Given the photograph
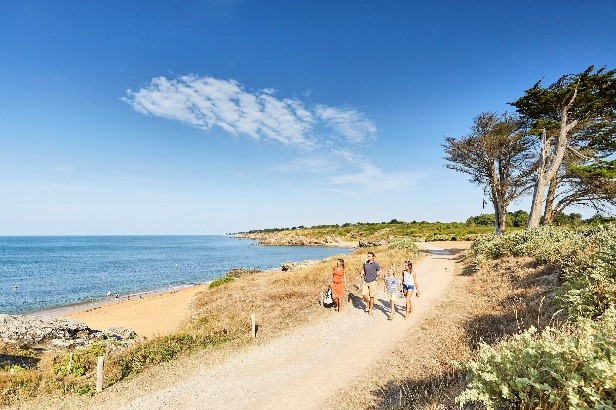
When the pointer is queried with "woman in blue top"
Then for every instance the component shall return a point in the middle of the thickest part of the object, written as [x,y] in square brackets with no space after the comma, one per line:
[409,284]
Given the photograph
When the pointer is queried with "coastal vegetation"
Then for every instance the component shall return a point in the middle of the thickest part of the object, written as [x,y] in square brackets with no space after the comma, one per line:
[571,362]
[530,325]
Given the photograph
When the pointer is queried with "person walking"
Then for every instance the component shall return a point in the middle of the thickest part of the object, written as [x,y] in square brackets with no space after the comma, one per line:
[392,286]
[409,284]
[338,283]
[371,272]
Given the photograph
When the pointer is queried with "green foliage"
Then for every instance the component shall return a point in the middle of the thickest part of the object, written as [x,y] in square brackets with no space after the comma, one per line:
[589,279]
[11,367]
[585,256]
[405,244]
[387,230]
[220,281]
[160,350]
[83,360]
[557,369]
[481,220]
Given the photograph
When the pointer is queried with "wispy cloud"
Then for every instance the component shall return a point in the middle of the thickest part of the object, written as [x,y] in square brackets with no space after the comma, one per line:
[351,124]
[315,165]
[207,102]
[372,177]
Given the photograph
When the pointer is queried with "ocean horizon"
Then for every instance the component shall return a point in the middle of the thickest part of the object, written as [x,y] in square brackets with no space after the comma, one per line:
[39,273]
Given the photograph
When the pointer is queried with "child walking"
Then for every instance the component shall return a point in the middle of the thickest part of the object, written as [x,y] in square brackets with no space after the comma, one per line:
[392,285]
[409,284]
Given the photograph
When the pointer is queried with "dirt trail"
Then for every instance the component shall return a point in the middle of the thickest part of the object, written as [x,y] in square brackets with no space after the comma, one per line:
[306,367]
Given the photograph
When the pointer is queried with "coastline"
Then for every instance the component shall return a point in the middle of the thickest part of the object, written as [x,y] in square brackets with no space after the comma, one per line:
[64,310]
[149,314]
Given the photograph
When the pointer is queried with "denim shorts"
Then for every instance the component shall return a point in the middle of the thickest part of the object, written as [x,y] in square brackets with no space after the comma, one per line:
[408,287]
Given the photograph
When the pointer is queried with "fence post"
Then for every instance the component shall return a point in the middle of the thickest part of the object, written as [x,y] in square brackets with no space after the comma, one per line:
[253,319]
[99,373]
[70,363]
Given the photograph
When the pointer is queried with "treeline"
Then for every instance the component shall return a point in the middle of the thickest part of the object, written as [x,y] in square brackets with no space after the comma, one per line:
[517,219]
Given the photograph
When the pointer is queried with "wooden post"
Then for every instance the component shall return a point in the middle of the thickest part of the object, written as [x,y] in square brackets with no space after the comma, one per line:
[253,319]
[70,364]
[99,373]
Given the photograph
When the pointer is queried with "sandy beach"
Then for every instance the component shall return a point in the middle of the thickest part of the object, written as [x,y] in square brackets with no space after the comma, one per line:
[149,315]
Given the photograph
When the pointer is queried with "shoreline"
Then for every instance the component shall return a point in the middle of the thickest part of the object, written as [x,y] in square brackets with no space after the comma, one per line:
[150,314]
[63,310]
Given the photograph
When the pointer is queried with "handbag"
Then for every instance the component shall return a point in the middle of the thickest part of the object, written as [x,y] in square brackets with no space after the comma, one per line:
[327,297]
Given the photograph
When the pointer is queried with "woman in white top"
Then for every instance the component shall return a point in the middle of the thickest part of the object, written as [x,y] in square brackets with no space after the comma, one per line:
[409,284]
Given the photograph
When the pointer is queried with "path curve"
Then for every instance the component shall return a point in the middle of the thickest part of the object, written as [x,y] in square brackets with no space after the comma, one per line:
[295,370]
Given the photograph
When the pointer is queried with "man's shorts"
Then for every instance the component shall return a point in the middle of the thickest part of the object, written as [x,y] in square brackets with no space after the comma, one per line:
[392,296]
[369,289]
[408,287]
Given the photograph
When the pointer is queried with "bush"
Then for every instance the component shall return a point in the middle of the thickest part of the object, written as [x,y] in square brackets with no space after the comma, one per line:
[220,281]
[586,258]
[589,279]
[570,368]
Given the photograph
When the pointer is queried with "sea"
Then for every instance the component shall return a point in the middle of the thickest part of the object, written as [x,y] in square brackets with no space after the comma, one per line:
[39,273]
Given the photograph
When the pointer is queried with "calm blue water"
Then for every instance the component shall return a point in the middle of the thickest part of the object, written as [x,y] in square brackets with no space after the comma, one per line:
[39,273]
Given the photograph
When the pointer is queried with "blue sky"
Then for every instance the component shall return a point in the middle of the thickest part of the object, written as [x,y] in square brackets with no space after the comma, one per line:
[207,117]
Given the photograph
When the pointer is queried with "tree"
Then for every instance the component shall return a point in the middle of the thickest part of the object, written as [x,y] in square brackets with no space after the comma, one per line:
[577,111]
[592,185]
[497,155]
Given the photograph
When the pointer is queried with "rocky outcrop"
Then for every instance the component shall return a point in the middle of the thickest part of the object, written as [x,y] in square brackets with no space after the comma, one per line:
[369,244]
[293,239]
[239,272]
[290,266]
[37,330]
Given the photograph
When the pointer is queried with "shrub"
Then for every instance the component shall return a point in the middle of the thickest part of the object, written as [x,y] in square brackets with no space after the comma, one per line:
[83,360]
[160,350]
[570,368]
[586,258]
[589,280]
[220,281]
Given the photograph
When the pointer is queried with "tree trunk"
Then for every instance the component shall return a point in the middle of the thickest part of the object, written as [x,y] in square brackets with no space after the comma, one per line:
[548,213]
[545,173]
[497,202]
[502,220]
[539,190]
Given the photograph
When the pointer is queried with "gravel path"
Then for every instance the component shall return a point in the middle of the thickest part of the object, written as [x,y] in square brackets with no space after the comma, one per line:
[307,367]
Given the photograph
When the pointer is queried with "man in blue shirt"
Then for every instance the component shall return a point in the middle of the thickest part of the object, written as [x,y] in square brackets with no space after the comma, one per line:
[371,272]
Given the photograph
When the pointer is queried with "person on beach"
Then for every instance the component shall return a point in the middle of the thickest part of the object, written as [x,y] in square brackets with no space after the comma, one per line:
[392,286]
[371,272]
[338,283]
[409,284]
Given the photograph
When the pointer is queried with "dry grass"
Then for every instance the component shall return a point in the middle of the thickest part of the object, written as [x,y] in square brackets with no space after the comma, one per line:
[502,298]
[283,300]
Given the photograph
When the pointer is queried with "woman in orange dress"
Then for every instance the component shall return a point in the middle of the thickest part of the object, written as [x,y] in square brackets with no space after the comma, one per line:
[338,283]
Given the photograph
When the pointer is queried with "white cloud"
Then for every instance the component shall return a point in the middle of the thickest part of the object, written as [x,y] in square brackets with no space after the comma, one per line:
[351,124]
[207,102]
